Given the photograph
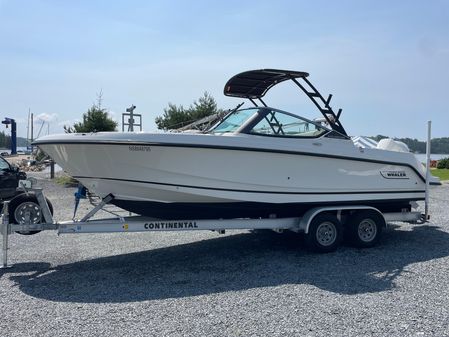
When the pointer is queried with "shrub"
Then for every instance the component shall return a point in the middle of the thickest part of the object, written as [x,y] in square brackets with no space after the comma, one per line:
[443,163]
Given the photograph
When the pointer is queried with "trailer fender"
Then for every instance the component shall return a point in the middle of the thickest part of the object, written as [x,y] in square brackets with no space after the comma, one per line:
[313,212]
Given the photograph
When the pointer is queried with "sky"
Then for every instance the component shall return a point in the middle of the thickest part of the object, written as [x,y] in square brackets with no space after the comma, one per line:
[385,62]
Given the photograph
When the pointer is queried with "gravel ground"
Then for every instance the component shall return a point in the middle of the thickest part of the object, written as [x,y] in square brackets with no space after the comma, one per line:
[237,284]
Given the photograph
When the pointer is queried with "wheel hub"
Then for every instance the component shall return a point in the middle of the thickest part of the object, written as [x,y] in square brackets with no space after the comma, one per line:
[367,230]
[326,233]
[28,212]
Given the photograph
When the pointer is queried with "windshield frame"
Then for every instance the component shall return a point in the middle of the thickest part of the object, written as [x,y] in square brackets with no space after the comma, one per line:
[259,114]
[242,127]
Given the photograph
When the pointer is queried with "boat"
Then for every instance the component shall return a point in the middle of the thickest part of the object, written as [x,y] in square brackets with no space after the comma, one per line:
[256,162]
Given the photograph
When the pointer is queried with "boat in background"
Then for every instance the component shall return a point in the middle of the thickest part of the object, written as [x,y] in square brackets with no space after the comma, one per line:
[258,162]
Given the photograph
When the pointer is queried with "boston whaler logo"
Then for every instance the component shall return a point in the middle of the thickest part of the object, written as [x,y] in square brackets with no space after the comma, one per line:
[394,174]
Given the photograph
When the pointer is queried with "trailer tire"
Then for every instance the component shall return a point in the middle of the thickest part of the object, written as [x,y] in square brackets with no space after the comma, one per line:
[22,203]
[325,233]
[364,228]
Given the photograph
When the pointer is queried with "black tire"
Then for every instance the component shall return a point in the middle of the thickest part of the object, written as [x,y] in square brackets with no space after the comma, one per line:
[24,202]
[325,233]
[364,228]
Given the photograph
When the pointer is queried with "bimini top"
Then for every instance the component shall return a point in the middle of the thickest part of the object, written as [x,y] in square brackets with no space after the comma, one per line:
[255,83]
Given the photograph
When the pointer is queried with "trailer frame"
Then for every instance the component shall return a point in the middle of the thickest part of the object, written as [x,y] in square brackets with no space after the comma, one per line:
[120,224]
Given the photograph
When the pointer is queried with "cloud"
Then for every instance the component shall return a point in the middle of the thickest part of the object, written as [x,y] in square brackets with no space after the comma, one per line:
[20,120]
[45,117]
[68,122]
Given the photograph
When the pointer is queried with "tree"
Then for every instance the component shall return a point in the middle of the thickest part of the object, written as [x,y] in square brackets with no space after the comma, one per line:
[5,140]
[175,117]
[94,120]
[205,106]
[440,145]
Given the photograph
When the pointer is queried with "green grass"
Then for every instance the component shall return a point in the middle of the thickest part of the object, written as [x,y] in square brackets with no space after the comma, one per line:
[443,174]
[66,181]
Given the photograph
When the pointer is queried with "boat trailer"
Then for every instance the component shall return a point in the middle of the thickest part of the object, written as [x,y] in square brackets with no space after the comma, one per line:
[322,226]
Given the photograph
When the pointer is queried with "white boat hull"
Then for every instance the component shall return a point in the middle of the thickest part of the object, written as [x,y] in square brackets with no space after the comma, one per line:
[205,169]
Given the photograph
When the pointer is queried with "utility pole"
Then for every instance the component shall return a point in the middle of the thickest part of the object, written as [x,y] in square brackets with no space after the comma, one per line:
[31,133]
[28,128]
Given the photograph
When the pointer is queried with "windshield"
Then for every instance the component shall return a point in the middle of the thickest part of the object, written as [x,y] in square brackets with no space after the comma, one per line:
[269,122]
[279,123]
[4,164]
[234,121]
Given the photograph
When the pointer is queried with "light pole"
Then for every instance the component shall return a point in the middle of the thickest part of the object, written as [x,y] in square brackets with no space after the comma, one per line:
[11,121]
[131,119]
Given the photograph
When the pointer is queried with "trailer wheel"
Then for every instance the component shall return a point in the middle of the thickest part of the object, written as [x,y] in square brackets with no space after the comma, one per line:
[364,228]
[325,233]
[24,204]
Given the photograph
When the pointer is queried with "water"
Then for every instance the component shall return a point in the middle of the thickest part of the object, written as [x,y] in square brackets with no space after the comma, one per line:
[19,148]
[422,156]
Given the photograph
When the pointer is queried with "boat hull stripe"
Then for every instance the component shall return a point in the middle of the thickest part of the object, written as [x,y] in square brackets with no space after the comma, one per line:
[250,191]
